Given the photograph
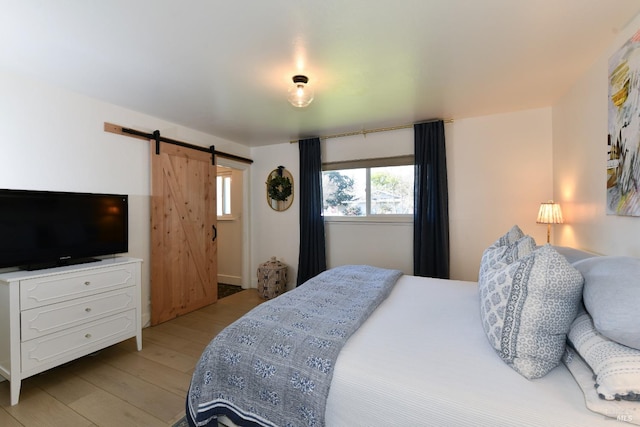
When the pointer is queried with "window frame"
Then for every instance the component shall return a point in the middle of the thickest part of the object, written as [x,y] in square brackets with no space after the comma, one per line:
[220,195]
[368,164]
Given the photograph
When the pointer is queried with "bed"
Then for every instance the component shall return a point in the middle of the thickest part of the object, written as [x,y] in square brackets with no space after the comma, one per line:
[422,358]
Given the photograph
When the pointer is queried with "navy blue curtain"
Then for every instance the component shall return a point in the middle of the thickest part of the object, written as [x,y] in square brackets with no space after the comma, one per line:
[431,202]
[312,259]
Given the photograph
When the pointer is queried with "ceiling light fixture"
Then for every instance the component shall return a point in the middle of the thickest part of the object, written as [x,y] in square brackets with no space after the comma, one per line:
[300,94]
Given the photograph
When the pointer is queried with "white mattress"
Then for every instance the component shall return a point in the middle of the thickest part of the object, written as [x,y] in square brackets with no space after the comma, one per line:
[422,359]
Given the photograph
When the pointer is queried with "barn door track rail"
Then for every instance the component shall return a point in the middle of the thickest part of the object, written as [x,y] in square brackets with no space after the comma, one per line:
[121,130]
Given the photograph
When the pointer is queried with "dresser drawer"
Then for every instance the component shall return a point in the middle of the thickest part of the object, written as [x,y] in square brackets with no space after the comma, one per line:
[60,347]
[51,289]
[51,318]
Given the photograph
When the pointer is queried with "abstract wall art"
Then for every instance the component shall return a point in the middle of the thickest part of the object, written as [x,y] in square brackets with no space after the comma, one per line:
[623,142]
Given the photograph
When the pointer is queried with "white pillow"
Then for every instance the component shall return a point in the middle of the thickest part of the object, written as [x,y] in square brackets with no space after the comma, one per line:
[583,374]
[527,308]
[612,296]
[616,367]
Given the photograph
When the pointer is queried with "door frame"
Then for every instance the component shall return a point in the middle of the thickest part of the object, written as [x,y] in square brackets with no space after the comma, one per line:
[246,216]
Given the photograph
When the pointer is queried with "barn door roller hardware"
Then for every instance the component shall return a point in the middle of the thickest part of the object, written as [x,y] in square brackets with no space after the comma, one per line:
[109,127]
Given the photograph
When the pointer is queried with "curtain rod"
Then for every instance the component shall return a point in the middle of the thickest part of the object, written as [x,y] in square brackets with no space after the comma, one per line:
[366,131]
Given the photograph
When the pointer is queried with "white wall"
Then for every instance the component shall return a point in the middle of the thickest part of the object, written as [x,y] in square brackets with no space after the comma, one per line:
[499,171]
[53,139]
[579,153]
[274,233]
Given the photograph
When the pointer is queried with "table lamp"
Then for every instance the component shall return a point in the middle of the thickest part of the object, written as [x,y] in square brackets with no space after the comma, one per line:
[549,213]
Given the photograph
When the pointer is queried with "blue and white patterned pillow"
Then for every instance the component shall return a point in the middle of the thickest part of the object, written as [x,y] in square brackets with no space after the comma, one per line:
[497,257]
[527,308]
[510,237]
[514,234]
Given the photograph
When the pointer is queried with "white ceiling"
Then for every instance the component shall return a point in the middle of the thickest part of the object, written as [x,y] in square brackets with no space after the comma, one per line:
[223,66]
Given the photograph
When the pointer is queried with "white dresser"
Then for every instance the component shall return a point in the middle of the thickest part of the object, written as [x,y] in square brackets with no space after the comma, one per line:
[52,316]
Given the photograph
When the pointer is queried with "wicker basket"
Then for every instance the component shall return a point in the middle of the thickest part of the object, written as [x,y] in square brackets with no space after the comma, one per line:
[272,278]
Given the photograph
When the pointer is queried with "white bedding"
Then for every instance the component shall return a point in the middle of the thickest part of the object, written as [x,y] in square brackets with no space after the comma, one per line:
[422,359]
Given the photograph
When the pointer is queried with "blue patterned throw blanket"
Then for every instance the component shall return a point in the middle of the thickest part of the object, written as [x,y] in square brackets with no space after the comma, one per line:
[273,366]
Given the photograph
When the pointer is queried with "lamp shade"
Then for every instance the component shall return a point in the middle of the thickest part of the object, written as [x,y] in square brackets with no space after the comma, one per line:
[550,213]
[300,94]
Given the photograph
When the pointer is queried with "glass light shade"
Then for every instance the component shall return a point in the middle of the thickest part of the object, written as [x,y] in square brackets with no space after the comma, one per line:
[300,94]
[550,213]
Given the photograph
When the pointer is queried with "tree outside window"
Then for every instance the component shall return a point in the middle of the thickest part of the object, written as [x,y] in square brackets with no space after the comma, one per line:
[370,191]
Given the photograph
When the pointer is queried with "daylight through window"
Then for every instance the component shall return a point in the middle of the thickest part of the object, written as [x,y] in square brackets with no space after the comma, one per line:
[373,190]
[223,188]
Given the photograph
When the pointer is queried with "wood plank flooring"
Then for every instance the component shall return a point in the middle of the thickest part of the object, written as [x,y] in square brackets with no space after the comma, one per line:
[120,386]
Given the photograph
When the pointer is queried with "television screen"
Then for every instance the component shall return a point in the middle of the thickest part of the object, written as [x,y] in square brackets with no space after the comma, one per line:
[43,228]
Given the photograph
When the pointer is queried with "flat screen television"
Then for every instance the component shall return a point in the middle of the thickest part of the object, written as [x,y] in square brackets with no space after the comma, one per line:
[41,229]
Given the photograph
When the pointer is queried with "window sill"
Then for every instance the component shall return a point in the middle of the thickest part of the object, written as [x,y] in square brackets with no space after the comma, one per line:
[381,219]
[228,218]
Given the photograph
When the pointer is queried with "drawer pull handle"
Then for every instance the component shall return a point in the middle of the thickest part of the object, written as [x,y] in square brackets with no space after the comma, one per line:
[87,336]
[87,283]
[88,309]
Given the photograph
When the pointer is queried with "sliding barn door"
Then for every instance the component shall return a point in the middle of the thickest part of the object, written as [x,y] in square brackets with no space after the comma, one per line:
[183,231]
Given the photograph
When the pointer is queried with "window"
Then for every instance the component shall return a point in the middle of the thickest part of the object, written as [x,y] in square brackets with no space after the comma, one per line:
[368,188]
[223,186]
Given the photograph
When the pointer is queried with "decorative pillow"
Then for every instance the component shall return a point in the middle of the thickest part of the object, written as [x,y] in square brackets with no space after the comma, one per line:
[497,257]
[572,254]
[612,296]
[511,236]
[527,308]
[617,367]
[514,234]
[621,410]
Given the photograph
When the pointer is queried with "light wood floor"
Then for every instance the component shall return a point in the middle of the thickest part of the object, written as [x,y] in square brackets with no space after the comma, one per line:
[120,386]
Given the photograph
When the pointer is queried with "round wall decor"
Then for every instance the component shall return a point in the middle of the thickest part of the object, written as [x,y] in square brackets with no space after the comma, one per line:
[280,189]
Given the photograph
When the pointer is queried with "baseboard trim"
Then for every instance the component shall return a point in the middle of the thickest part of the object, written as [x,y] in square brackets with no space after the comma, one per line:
[230,280]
